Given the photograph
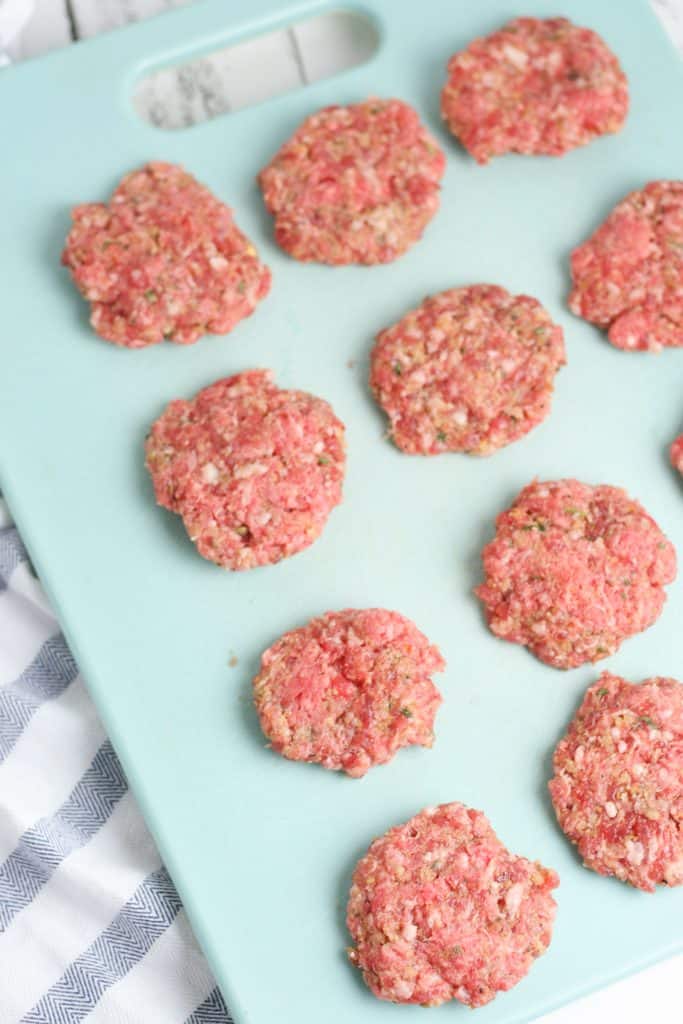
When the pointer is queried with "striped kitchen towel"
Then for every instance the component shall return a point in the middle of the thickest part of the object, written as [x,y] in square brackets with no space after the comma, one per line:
[91,927]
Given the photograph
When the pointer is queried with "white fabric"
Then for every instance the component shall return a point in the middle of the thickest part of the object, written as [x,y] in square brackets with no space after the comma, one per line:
[14,15]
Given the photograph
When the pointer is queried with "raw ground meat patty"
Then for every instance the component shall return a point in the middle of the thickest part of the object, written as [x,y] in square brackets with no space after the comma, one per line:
[354,184]
[470,370]
[253,470]
[618,783]
[535,86]
[349,689]
[440,910]
[628,276]
[676,453]
[163,259]
[573,571]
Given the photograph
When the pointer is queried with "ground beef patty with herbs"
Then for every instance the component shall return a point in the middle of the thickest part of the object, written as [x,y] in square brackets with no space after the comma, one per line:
[349,689]
[676,454]
[354,184]
[536,86]
[618,783]
[470,370]
[628,277]
[163,259]
[574,570]
[439,909]
[253,470]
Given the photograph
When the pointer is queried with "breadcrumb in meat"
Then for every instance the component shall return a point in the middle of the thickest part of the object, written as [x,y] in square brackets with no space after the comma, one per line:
[355,184]
[617,787]
[628,276]
[163,259]
[349,689]
[574,570]
[469,370]
[439,909]
[253,470]
[536,86]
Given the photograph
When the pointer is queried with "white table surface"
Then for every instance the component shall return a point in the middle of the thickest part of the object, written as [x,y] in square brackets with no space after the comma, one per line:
[654,995]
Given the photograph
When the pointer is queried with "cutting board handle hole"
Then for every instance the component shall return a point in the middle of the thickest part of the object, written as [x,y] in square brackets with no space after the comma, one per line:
[233,77]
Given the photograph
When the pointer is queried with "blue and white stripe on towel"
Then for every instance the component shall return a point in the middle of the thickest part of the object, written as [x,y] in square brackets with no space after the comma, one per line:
[91,926]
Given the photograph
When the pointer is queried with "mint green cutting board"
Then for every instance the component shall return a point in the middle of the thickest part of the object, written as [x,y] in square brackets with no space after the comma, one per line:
[262,849]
